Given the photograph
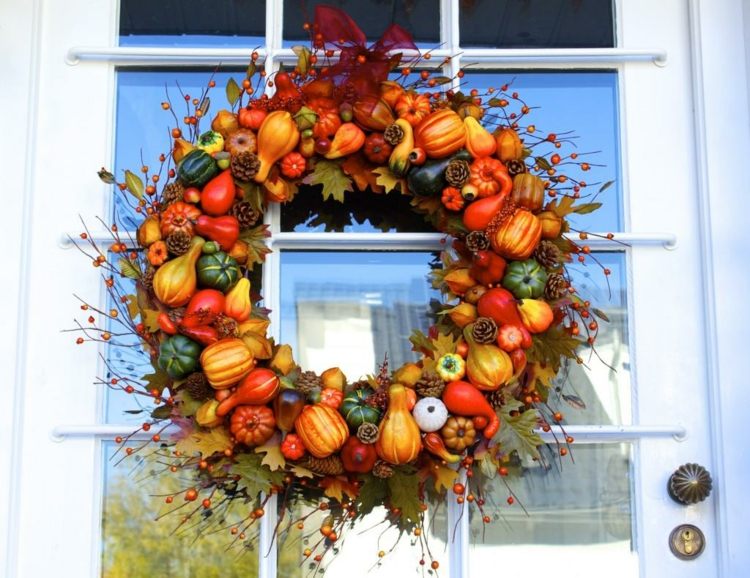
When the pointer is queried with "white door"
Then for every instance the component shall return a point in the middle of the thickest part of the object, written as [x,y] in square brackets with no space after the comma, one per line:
[669,95]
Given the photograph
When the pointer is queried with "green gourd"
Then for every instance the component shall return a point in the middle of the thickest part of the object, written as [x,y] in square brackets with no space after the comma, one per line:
[356,411]
[197,168]
[218,271]
[429,179]
[178,356]
[525,279]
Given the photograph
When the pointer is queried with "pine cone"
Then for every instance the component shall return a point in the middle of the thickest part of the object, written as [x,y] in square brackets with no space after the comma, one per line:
[430,385]
[382,469]
[393,135]
[368,433]
[172,193]
[198,387]
[515,167]
[330,466]
[244,166]
[176,315]
[477,241]
[245,214]
[457,173]
[178,242]
[484,330]
[378,399]
[226,327]
[556,287]
[548,255]
[307,381]
[148,278]
[496,399]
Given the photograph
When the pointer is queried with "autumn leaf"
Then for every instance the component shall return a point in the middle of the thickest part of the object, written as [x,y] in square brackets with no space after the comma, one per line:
[252,193]
[273,458]
[444,344]
[303,58]
[187,405]
[586,208]
[389,181]
[233,92]
[403,489]
[256,244]
[361,173]
[421,343]
[129,269]
[517,433]
[336,487]
[331,176]
[150,319]
[444,477]
[134,185]
[550,346]
[543,374]
[133,309]
[371,494]
[157,380]
[562,206]
[205,443]
[255,477]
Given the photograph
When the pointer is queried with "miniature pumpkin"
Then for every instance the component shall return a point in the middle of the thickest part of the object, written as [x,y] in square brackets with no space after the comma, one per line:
[329,120]
[356,411]
[331,397]
[376,149]
[293,165]
[482,176]
[412,107]
[517,236]
[322,430]
[252,425]
[525,279]
[179,216]
[292,447]
[528,191]
[178,356]
[399,441]
[440,134]
[226,362]
[458,433]
[430,414]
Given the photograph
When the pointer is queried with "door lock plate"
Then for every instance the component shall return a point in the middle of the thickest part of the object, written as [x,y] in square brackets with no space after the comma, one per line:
[687,542]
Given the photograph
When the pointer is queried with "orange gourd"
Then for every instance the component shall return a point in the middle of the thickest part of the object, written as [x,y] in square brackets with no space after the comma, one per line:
[479,213]
[226,362]
[331,397]
[348,139]
[440,134]
[517,236]
[175,282]
[509,145]
[479,142]
[412,107]
[482,176]
[537,315]
[278,135]
[488,367]
[179,216]
[373,113]
[528,191]
[237,304]
[551,224]
[390,91]
[322,429]
[400,439]
[329,120]
[257,388]
[462,398]
[252,425]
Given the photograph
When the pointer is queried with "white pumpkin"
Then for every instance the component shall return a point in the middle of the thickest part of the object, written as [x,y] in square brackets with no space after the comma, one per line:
[430,414]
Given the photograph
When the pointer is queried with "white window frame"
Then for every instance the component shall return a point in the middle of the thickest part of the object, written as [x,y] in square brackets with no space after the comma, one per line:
[51,33]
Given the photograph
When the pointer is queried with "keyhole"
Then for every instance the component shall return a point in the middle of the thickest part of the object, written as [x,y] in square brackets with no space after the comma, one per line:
[687,539]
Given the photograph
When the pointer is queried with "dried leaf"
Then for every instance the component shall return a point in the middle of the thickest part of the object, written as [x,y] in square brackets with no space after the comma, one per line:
[444,344]
[389,181]
[336,487]
[517,433]
[106,176]
[421,343]
[362,174]
[253,193]
[273,458]
[550,346]
[301,472]
[157,380]
[303,58]
[543,163]
[134,184]
[331,176]
[256,244]
[404,494]
[129,269]
[600,314]
[562,206]
[255,477]
[605,186]
[233,91]
[205,443]
[133,309]
[586,208]
[150,318]
[574,401]
[444,476]
[188,405]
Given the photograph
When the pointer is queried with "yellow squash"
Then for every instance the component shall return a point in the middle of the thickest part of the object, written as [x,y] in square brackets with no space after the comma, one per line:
[226,362]
[400,441]
[278,136]
[176,281]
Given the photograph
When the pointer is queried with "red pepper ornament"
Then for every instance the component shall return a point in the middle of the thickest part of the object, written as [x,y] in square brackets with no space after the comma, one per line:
[224,230]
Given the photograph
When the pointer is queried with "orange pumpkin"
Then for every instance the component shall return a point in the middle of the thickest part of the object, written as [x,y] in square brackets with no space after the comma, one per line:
[528,191]
[440,134]
[329,120]
[331,397]
[179,216]
[412,107]
[517,236]
[482,176]
[252,425]
[322,429]
[226,362]
[509,145]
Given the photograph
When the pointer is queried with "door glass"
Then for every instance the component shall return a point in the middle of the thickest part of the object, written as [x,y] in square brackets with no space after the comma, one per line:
[537,24]
[568,520]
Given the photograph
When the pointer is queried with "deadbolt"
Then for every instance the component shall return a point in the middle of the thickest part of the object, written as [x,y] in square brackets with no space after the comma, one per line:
[687,542]
[689,484]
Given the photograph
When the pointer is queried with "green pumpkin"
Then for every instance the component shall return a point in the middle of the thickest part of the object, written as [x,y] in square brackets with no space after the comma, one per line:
[429,179]
[197,168]
[218,271]
[356,411]
[178,356]
[525,279]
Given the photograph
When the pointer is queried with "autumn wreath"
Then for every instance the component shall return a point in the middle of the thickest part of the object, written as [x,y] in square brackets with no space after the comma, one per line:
[248,420]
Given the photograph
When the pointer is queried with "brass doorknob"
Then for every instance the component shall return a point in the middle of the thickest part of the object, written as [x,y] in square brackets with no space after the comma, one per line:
[689,484]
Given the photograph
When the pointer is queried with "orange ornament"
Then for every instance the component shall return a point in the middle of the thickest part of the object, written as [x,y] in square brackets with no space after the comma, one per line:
[292,448]
[293,165]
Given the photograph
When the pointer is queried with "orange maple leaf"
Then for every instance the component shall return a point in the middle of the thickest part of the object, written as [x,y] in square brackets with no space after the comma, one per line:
[361,173]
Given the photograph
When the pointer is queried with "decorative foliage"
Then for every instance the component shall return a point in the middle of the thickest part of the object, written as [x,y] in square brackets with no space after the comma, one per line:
[234,396]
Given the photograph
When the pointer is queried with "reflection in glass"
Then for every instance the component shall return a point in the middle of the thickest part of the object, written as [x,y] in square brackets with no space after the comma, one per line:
[548,24]
[192,23]
[579,519]
[420,17]
[134,545]
[362,543]
[585,103]
[603,383]
[349,309]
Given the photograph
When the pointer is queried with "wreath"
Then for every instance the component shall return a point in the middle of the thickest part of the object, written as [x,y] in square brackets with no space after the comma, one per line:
[247,422]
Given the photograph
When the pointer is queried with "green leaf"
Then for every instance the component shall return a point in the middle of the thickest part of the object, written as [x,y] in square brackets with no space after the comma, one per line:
[600,314]
[157,380]
[251,68]
[404,493]
[332,177]
[550,346]
[233,91]
[129,269]
[543,163]
[605,186]
[586,208]
[517,433]
[188,404]
[134,184]
[303,58]
[106,176]
[253,194]
[256,243]
[372,494]
[162,412]
[421,343]
[255,477]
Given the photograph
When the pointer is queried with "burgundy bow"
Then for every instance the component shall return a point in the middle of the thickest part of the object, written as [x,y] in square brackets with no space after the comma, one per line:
[362,67]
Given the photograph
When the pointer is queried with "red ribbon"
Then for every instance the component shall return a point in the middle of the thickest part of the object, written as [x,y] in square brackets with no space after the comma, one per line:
[362,67]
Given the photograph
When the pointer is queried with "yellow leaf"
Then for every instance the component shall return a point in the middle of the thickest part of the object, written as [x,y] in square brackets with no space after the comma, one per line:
[205,443]
[361,173]
[273,458]
[444,344]
[149,317]
[336,488]
[544,374]
[301,472]
[389,181]
[445,477]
